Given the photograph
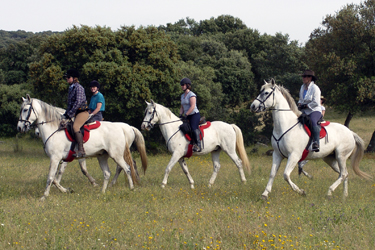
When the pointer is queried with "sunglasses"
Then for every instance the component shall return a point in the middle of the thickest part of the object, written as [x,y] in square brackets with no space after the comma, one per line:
[306,76]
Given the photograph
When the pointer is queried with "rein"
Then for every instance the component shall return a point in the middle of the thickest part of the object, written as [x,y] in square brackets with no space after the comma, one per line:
[278,140]
[152,125]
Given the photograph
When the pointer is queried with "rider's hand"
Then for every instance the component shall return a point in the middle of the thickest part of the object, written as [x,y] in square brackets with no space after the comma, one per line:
[183,116]
[64,117]
[303,106]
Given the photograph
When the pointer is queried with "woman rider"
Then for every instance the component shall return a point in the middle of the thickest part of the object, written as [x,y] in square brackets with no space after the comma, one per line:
[309,103]
[97,102]
[77,107]
[190,110]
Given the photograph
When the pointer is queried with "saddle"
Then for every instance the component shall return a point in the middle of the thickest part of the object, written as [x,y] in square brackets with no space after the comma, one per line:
[185,128]
[85,130]
[305,120]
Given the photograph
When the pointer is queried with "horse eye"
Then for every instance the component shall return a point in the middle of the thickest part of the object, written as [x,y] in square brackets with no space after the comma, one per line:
[25,110]
[266,93]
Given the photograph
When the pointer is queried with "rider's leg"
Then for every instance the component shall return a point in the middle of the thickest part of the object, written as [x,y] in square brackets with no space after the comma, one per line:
[315,116]
[79,120]
[194,123]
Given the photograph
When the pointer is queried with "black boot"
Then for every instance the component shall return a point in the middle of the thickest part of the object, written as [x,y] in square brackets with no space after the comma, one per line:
[316,135]
[197,141]
[79,139]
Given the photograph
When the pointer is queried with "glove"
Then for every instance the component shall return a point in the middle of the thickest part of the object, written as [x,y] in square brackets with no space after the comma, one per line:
[303,106]
[64,117]
[183,117]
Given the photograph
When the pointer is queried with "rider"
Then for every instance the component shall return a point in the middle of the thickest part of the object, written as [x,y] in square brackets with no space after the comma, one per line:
[97,102]
[309,103]
[77,107]
[190,111]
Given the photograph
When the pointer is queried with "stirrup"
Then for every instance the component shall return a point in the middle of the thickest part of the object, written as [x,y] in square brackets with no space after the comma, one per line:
[315,147]
[79,154]
[196,148]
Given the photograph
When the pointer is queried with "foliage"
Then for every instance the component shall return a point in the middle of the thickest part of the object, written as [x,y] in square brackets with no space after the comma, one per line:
[132,65]
[342,53]
[10,99]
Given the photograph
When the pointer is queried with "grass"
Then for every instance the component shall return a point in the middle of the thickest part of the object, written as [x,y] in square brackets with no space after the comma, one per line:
[229,215]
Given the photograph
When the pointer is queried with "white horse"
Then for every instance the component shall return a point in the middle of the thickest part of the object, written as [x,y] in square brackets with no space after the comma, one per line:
[133,135]
[289,140]
[106,141]
[219,136]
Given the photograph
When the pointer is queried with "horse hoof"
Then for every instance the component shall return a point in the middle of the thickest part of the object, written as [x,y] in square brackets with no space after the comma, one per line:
[43,198]
[244,182]
[303,193]
[209,185]
[264,197]
[192,186]
[162,186]
[70,190]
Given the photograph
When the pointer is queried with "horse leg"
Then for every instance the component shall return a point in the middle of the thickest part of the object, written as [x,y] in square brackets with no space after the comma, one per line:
[186,171]
[216,162]
[114,180]
[82,164]
[275,167]
[60,173]
[332,162]
[343,176]
[302,171]
[238,163]
[50,178]
[290,165]
[175,157]
[103,162]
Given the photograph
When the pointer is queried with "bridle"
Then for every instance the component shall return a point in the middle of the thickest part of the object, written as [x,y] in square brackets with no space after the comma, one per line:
[31,125]
[152,125]
[273,100]
[27,122]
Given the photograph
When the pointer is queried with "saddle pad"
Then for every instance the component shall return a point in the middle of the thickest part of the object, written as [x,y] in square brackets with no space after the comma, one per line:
[86,134]
[323,131]
[202,128]
[190,151]
[70,156]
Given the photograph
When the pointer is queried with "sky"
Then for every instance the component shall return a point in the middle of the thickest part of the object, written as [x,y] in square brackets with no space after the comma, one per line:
[297,18]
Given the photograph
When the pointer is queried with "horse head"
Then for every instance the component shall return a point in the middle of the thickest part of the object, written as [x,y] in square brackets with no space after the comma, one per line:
[27,115]
[151,117]
[266,97]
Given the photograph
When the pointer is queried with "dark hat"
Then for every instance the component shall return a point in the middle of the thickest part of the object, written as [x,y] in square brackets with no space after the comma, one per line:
[323,99]
[71,72]
[94,83]
[185,81]
[310,73]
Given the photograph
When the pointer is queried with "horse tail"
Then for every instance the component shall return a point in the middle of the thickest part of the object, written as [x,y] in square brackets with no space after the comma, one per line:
[241,148]
[129,160]
[357,155]
[141,147]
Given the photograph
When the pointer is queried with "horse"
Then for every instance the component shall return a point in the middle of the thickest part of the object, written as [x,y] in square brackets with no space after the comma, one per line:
[219,136]
[289,140]
[106,141]
[133,135]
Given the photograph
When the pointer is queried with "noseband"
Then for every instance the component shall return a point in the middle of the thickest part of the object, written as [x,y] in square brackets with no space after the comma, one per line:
[27,122]
[262,102]
[151,118]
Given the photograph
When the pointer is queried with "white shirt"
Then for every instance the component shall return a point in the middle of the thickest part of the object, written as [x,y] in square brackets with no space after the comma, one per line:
[312,98]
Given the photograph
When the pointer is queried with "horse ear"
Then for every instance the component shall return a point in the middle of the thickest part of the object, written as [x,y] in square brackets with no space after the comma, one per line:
[147,103]
[273,82]
[28,97]
[152,102]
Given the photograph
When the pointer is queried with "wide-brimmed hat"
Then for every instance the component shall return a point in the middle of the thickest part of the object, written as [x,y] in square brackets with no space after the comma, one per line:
[310,73]
[323,99]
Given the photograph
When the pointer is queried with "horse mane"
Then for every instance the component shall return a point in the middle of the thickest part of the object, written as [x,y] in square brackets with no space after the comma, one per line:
[290,100]
[292,104]
[52,114]
[167,110]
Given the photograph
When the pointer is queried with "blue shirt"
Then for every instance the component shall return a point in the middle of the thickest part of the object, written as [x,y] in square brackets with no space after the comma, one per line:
[185,102]
[95,99]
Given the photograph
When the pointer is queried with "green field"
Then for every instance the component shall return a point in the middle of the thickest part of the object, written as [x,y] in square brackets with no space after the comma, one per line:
[229,215]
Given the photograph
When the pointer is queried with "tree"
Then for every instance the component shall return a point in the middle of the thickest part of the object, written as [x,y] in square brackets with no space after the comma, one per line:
[342,53]
[132,65]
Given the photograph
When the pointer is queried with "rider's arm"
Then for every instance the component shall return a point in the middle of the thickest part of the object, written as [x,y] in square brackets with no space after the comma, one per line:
[192,101]
[98,106]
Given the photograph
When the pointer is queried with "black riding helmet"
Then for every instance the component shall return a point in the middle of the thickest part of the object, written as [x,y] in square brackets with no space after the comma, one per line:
[71,72]
[94,83]
[185,81]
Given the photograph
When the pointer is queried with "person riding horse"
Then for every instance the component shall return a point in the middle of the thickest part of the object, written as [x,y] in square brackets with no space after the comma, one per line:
[309,103]
[77,107]
[190,111]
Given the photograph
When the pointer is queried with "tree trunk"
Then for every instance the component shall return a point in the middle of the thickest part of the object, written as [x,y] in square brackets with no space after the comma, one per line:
[371,145]
[348,119]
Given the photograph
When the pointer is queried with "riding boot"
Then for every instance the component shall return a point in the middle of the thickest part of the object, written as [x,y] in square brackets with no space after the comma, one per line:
[197,145]
[79,139]
[316,135]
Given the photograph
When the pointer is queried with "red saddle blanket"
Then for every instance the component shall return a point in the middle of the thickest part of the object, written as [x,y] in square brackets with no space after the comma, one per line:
[86,136]
[323,133]
[190,147]
[86,128]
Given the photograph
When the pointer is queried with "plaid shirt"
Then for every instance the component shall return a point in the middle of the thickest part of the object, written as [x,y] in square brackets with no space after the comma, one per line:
[76,98]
